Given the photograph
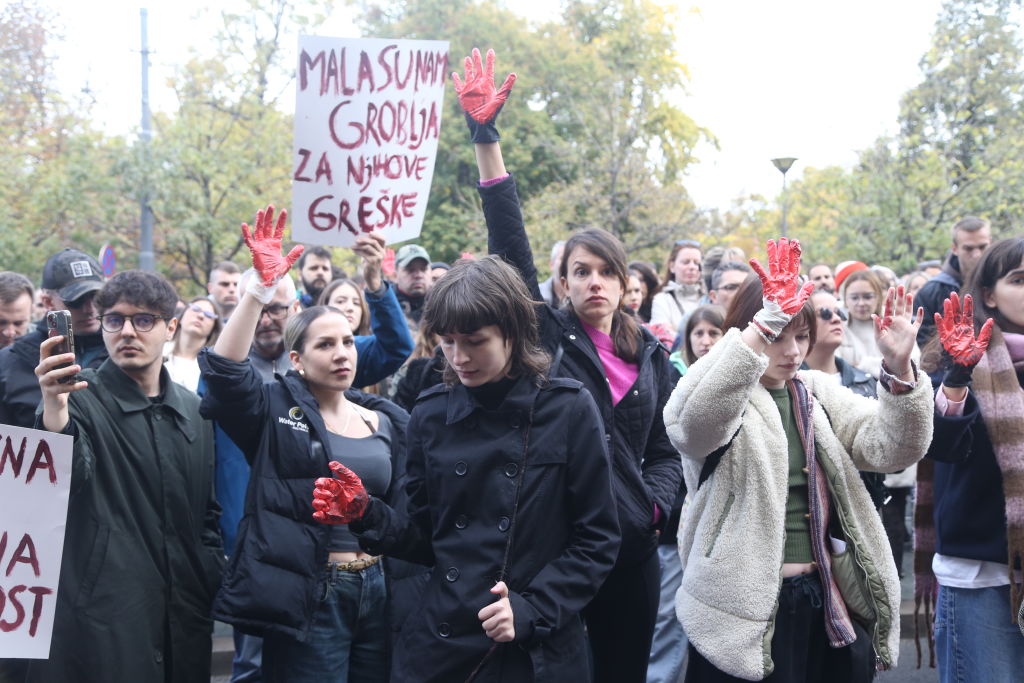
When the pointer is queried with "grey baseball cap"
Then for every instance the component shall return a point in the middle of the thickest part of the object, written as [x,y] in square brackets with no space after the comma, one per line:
[72,274]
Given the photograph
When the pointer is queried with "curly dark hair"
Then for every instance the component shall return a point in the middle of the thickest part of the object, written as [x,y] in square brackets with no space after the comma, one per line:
[139,288]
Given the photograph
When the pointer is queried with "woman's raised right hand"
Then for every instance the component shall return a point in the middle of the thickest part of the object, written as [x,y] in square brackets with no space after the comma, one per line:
[783,293]
[264,244]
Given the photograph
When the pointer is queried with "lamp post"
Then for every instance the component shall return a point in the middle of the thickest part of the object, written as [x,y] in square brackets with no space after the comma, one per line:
[784,164]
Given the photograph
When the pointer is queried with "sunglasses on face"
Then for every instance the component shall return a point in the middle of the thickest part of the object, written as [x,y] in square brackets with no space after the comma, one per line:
[206,314]
[827,313]
[688,243]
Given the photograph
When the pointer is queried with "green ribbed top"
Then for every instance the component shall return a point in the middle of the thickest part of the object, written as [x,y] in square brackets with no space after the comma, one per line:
[798,525]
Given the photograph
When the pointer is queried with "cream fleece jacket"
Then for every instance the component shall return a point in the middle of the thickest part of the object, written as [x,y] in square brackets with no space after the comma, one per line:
[731,539]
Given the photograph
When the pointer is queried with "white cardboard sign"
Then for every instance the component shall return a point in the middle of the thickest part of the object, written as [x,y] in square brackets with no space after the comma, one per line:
[367,122]
[35,482]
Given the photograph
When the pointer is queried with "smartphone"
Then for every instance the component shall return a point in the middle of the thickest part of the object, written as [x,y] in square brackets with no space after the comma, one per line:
[59,323]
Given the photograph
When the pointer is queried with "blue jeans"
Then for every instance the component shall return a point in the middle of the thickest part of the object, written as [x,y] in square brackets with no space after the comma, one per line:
[245,667]
[668,649]
[975,639]
[348,639]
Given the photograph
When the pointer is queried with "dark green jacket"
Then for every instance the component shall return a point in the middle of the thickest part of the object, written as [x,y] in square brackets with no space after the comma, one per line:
[142,552]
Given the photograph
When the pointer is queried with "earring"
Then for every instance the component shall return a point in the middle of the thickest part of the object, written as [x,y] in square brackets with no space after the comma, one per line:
[302,373]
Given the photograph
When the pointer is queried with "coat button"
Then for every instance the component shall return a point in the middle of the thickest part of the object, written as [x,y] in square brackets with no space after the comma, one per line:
[636,392]
[461,468]
[158,656]
[158,416]
[461,521]
[452,575]
[503,524]
[444,630]
[572,336]
[608,438]
[514,421]
[511,469]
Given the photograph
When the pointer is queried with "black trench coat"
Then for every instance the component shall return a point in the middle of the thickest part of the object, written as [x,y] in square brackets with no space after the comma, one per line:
[463,466]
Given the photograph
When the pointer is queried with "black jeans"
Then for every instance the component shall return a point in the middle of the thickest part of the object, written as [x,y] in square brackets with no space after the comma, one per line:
[800,648]
[620,622]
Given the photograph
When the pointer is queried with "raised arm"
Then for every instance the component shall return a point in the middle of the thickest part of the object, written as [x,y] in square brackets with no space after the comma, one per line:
[481,102]
[264,243]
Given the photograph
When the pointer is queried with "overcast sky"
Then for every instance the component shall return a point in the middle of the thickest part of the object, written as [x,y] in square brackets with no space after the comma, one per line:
[803,78]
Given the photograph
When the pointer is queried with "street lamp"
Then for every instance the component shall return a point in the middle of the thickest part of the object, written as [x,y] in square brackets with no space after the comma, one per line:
[784,164]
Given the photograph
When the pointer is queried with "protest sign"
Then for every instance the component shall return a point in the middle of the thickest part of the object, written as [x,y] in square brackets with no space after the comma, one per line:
[35,480]
[367,122]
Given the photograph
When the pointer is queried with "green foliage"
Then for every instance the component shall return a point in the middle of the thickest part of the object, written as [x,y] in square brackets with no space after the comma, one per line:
[959,151]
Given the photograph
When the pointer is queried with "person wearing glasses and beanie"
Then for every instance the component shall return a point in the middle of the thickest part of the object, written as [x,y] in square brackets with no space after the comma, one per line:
[71,279]
[142,552]
[683,288]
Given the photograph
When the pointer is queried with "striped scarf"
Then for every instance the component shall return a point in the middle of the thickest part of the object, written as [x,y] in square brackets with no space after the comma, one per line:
[997,389]
[838,624]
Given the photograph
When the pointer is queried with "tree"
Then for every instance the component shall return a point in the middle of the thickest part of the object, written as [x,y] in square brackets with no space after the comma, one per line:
[589,131]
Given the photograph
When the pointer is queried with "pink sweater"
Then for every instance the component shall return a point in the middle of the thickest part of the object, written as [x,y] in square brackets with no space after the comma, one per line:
[621,375]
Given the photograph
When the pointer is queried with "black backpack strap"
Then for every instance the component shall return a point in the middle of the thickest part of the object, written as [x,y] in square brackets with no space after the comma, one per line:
[556,360]
[711,462]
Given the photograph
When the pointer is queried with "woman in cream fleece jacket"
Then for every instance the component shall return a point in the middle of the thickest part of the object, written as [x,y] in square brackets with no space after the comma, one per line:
[746,578]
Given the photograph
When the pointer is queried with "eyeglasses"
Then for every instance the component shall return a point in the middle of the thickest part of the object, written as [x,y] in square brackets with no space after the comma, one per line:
[827,313]
[275,311]
[866,298]
[142,322]
[688,243]
[206,314]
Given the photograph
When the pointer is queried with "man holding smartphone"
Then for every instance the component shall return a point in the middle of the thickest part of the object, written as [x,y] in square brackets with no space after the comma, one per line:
[71,279]
[142,552]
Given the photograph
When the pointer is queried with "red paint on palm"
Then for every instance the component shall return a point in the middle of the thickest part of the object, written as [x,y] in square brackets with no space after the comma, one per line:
[781,283]
[955,326]
[477,95]
[264,244]
[339,500]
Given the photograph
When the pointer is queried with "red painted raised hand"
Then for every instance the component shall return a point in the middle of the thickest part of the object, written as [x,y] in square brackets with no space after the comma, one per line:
[339,500]
[477,95]
[264,244]
[781,283]
[955,327]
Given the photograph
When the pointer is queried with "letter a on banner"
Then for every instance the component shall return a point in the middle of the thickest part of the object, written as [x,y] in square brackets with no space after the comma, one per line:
[367,122]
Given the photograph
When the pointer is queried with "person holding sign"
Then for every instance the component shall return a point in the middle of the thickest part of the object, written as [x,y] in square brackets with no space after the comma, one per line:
[142,552]
[509,496]
[318,600]
[623,366]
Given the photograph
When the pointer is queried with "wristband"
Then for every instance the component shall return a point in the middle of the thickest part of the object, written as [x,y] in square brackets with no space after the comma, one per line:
[771,318]
[763,331]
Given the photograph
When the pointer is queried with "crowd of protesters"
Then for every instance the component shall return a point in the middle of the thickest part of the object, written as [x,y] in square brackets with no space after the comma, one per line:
[434,472]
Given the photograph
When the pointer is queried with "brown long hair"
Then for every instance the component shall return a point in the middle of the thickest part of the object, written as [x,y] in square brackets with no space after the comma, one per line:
[709,313]
[601,243]
[749,300]
[325,300]
[476,293]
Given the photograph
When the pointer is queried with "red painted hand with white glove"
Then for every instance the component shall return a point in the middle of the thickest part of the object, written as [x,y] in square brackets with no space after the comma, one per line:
[264,244]
[783,294]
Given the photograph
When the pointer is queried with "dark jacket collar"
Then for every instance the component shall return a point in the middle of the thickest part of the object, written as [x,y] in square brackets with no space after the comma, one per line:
[520,399]
[129,397]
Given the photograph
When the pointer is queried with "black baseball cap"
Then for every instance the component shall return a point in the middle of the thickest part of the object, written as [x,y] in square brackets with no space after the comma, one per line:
[72,274]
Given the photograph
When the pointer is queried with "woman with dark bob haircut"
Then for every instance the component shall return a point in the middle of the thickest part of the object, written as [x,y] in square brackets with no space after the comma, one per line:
[508,490]
[786,566]
[624,367]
